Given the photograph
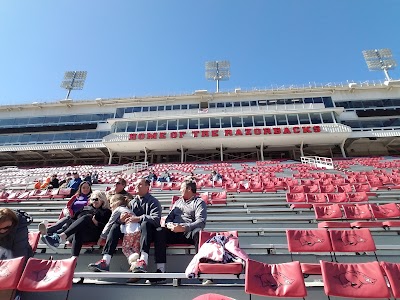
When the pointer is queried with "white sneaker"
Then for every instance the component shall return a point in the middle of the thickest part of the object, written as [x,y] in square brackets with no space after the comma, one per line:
[42,228]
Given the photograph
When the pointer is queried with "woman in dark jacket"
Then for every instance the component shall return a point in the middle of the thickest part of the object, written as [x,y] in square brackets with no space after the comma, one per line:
[14,241]
[88,226]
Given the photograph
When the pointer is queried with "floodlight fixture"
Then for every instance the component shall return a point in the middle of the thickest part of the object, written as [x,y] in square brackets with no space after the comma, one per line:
[380,59]
[73,80]
[217,71]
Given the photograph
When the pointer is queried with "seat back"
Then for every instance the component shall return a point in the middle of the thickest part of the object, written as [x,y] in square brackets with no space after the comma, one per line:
[10,272]
[47,275]
[274,280]
[212,296]
[358,240]
[392,271]
[33,238]
[385,211]
[206,235]
[361,280]
[313,240]
[327,212]
[357,212]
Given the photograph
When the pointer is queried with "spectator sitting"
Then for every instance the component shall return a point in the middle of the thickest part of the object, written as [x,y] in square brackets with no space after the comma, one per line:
[131,231]
[74,206]
[95,178]
[215,176]
[165,177]
[151,177]
[63,183]
[74,183]
[147,210]
[54,182]
[86,228]
[183,224]
[88,178]
[14,241]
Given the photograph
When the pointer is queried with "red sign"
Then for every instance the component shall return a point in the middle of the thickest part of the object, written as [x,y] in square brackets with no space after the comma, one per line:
[225,132]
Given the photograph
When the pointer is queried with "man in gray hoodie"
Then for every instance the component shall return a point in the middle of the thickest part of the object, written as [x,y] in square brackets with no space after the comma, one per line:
[182,226]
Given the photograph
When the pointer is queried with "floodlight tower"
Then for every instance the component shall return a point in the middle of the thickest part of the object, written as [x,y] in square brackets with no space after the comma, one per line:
[73,80]
[380,59]
[218,70]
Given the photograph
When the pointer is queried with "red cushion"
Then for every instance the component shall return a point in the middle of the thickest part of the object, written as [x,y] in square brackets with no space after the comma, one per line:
[358,240]
[212,297]
[361,280]
[10,272]
[47,275]
[274,280]
[229,268]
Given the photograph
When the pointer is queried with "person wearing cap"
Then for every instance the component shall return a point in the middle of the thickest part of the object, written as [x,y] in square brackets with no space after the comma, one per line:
[74,183]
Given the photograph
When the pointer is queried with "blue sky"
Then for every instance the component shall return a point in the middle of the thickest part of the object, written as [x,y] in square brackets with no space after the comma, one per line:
[149,47]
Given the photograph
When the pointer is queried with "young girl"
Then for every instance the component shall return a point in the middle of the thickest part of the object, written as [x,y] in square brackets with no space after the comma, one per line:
[131,240]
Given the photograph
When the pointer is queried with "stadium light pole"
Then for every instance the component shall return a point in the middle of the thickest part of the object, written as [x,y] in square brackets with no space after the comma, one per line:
[218,70]
[380,59]
[73,80]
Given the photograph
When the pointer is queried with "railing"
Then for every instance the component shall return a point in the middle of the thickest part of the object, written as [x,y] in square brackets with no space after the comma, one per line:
[135,167]
[317,161]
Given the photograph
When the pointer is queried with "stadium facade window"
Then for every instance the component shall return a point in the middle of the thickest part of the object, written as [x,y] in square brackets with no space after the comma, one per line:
[131,126]
[281,120]
[153,108]
[184,106]
[304,119]
[204,123]
[215,122]
[152,125]
[119,112]
[182,124]
[162,125]
[212,105]
[259,121]
[327,117]
[270,120]
[248,121]
[193,106]
[141,126]
[193,123]
[220,105]
[168,107]
[176,107]
[237,122]
[161,108]
[228,104]
[293,119]
[315,118]
[245,103]
[121,127]
[226,122]
[172,125]
[145,108]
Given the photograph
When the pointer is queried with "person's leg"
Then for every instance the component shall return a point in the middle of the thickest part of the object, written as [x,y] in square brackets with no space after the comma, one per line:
[109,249]
[89,233]
[60,223]
[79,225]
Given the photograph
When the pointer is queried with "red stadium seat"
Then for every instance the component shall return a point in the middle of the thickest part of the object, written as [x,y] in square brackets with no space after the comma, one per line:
[218,197]
[296,197]
[337,198]
[274,280]
[357,211]
[10,272]
[34,239]
[392,271]
[357,197]
[327,212]
[47,275]
[316,198]
[361,280]
[385,211]
[358,240]
[311,240]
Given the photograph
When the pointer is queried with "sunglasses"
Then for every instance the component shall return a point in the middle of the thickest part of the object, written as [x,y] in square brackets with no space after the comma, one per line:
[117,182]
[5,228]
[95,199]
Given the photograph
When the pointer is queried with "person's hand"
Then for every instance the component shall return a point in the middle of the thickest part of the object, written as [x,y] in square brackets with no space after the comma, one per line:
[177,228]
[100,241]
[95,221]
[124,216]
[133,219]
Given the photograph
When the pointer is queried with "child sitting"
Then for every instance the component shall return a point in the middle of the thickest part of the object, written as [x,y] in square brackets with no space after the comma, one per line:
[131,240]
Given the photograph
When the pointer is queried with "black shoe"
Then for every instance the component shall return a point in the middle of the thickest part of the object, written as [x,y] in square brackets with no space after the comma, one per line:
[156,280]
